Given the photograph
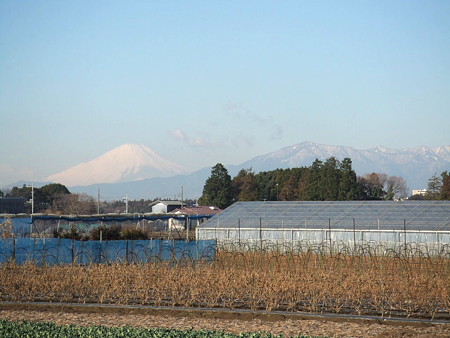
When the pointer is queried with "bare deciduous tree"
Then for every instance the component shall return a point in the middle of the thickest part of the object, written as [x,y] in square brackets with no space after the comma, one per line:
[382,186]
[395,188]
[75,204]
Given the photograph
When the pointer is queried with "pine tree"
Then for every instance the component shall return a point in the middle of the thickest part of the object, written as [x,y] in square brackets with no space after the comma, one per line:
[348,185]
[217,190]
[244,186]
[434,187]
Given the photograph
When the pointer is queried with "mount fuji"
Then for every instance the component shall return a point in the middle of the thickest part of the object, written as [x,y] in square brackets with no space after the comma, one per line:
[137,170]
[128,162]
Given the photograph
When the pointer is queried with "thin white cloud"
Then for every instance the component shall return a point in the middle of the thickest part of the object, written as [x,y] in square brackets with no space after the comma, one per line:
[197,141]
[179,135]
[237,128]
[242,140]
[239,112]
[230,106]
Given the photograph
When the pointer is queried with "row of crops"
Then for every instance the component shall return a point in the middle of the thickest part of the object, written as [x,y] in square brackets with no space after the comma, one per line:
[10,329]
[307,280]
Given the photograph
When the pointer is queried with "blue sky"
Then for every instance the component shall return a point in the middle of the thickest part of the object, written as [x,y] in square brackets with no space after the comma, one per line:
[202,82]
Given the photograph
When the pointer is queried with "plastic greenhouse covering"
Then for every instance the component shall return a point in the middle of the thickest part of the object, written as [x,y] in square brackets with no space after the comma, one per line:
[384,221]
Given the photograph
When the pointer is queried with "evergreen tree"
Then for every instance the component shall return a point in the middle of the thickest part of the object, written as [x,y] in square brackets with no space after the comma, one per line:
[330,177]
[50,193]
[445,189]
[303,189]
[264,181]
[348,185]
[314,188]
[217,190]
[244,186]
[434,188]
[278,181]
[290,190]
[55,189]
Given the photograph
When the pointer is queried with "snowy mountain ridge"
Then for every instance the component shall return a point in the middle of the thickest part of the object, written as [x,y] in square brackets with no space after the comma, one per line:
[128,162]
[137,170]
[416,165]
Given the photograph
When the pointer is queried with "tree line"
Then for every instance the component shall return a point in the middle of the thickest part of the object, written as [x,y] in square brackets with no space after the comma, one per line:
[56,198]
[329,180]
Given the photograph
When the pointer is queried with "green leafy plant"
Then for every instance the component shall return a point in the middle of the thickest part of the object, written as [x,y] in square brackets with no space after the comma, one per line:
[9,329]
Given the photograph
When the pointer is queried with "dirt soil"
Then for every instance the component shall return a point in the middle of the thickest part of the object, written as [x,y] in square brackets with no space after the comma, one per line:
[219,321]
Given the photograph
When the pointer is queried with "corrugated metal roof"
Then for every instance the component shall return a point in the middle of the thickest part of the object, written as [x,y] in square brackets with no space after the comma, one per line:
[417,215]
[197,210]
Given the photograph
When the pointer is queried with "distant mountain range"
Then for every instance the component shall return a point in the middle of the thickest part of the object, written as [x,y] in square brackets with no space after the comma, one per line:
[415,165]
[129,162]
[141,173]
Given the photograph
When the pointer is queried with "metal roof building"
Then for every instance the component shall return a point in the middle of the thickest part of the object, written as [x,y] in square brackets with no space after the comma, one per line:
[348,221]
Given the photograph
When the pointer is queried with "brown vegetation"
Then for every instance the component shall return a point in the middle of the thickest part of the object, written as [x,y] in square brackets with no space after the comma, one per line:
[305,281]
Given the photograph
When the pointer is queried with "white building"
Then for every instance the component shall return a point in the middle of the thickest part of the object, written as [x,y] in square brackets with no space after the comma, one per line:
[421,192]
[164,207]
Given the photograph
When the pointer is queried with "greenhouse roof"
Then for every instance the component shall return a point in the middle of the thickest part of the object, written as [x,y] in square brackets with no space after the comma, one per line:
[383,215]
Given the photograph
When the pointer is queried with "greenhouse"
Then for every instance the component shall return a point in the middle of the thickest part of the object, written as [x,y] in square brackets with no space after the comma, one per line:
[423,222]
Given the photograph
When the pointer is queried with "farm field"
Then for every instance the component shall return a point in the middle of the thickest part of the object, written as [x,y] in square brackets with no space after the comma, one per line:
[416,287]
[93,316]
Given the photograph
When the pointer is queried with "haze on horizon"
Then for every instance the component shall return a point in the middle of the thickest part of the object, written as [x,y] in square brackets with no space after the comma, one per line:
[208,82]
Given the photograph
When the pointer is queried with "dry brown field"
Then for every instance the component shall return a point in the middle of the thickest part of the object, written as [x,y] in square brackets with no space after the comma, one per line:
[184,320]
[302,282]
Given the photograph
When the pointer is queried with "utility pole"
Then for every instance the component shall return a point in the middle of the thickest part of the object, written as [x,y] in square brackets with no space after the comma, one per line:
[32,198]
[98,201]
[126,203]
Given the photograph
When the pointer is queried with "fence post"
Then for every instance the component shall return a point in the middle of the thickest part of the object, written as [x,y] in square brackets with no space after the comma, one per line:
[239,232]
[329,234]
[404,233]
[260,232]
[72,250]
[292,240]
[438,241]
[14,250]
[126,252]
[100,249]
[354,236]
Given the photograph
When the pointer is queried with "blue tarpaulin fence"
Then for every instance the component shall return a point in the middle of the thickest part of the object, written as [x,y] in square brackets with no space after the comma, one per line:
[21,226]
[54,251]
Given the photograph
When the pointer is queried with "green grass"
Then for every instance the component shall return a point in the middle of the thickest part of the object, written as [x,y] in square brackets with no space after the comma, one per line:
[39,329]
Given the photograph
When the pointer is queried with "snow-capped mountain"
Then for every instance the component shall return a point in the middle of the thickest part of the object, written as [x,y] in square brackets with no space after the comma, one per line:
[415,165]
[128,162]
